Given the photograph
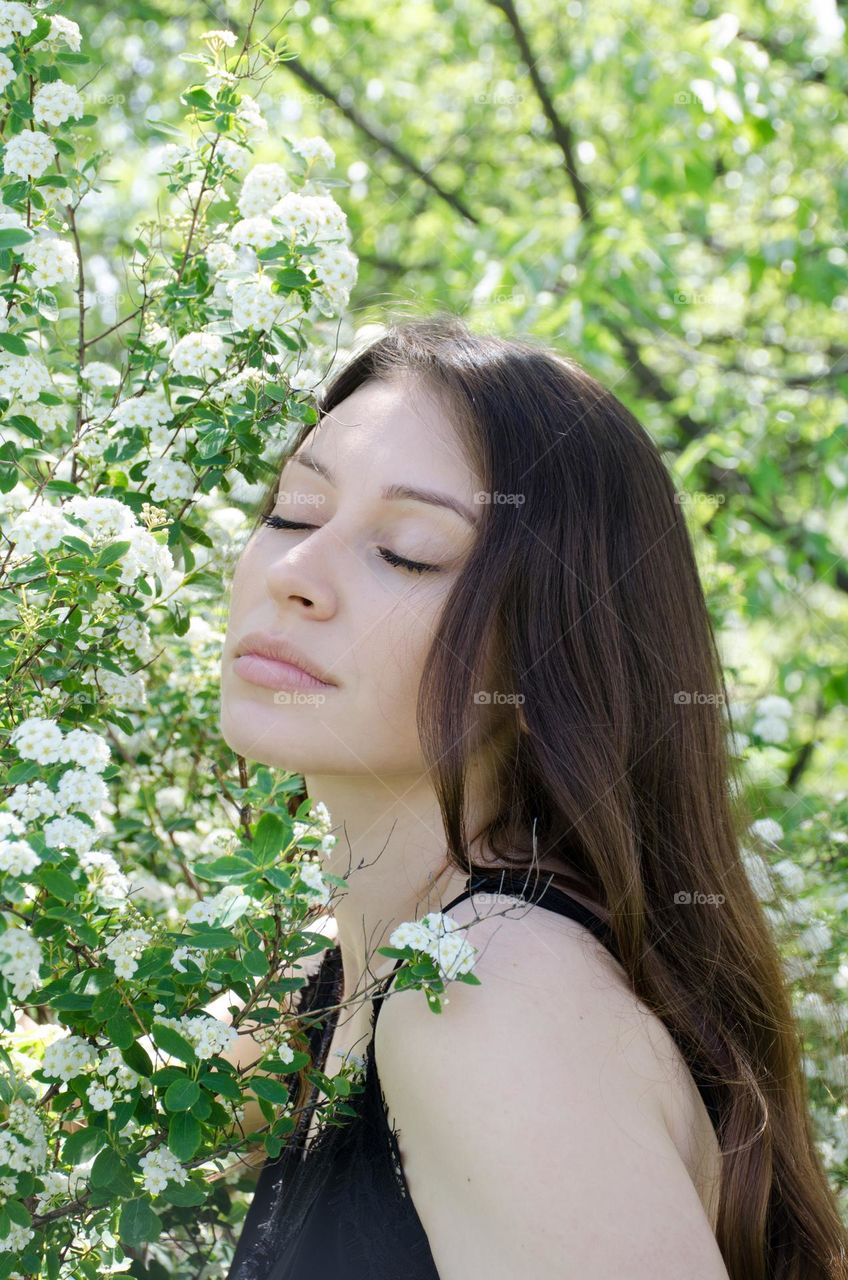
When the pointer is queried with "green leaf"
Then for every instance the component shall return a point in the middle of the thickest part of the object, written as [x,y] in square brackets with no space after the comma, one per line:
[57,882]
[81,1145]
[172,1043]
[11,342]
[181,1094]
[10,236]
[186,1193]
[121,1030]
[270,1090]
[184,1135]
[109,1173]
[139,1224]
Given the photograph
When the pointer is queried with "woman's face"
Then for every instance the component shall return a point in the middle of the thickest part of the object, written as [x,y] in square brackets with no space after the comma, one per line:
[330,590]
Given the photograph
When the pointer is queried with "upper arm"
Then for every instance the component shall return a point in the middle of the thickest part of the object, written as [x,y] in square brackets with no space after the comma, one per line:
[532,1131]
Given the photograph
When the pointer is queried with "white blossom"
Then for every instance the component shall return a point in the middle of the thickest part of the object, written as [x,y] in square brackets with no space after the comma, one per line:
[159,1167]
[82,789]
[39,740]
[768,829]
[262,187]
[145,411]
[315,149]
[256,306]
[219,38]
[69,832]
[436,934]
[310,874]
[220,256]
[7,71]
[17,857]
[197,353]
[53,261]
[208,1036]
[66,30]
[166,478]
[101,1099]
[100,375]
[55,102]
[125,948]
[257,232]
[15,20]
[33,800]
[68,1058]
[28,154]
[22,376]
[105,878]
[23,1142]
[20,960]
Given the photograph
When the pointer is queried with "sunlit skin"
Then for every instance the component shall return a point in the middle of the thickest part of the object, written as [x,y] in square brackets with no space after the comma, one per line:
[369,624]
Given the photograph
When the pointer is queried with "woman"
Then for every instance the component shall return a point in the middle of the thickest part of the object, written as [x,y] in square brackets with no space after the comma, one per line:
[478,554]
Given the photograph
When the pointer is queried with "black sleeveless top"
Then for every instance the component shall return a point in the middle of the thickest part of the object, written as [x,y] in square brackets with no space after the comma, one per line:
[345,1212]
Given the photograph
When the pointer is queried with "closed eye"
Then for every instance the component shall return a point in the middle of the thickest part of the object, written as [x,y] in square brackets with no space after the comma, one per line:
[411,566]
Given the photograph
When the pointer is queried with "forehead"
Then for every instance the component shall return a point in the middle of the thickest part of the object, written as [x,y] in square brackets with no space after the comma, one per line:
[391,431]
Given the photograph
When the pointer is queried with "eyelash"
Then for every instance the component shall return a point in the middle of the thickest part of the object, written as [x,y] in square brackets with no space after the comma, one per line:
[411,566]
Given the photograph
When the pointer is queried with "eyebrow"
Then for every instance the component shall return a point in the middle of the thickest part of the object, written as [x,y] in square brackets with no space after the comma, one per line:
[394,492]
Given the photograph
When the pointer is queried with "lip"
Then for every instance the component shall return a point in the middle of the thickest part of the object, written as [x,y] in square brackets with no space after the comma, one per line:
[283,660]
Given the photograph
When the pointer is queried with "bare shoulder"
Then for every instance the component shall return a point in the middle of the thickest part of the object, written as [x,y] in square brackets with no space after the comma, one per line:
[544,1105]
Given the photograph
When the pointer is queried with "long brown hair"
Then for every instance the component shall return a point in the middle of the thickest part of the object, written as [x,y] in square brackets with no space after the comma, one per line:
[585,577]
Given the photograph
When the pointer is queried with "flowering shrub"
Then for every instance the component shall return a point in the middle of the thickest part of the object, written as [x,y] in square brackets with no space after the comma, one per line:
[139,881]
[143,877]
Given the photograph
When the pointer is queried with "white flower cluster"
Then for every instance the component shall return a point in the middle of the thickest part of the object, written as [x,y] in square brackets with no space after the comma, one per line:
[44,742]
[262,188]
[15,20]
[311,876]
[319,826]
[219,38]
[771,718]
[99,375]
[313,149]
[68,1058]
[7,71]
[256,232]
[436,935]
[125,948]
[116,1080]
[192,954]
[106,880]
[145,411]
[21,959]
[55,102]
[168,478]
[220,256]
[256,306]
[159,1167]
[52,260]
[768,829]
[23,1143]
[197,354]
[22,377]
[43,525]
[69,832]
[217,907]
[65,30]
[28,154]
[208,1036]
[271,213]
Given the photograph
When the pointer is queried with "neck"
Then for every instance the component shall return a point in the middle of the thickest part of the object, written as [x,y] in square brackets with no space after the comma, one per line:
[390,849]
